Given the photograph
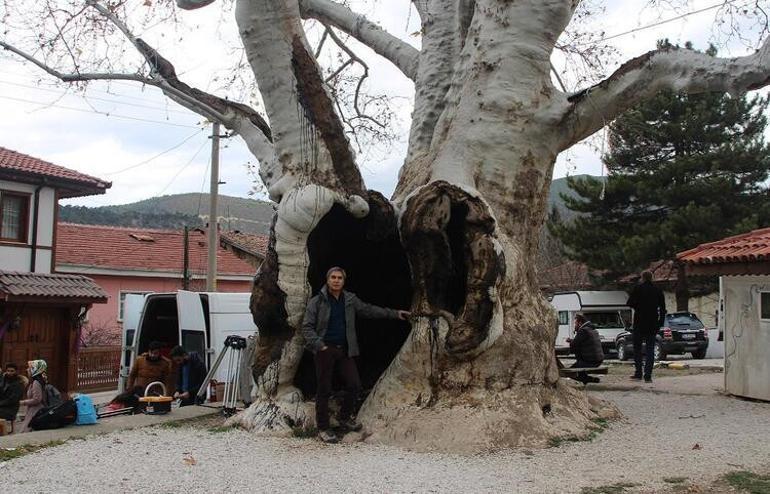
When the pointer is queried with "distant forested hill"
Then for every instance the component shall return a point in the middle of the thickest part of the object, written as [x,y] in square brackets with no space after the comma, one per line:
[175,211]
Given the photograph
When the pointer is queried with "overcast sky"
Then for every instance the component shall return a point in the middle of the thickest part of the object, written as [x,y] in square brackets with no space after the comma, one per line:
[116,132]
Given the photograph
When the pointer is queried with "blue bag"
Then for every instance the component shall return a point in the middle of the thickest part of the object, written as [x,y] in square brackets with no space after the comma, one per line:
[86,410]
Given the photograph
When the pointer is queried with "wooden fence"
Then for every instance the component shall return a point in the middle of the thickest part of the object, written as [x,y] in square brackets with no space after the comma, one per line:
[98,368]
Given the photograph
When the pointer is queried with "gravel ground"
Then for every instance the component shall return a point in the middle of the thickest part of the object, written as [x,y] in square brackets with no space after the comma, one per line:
[655,440]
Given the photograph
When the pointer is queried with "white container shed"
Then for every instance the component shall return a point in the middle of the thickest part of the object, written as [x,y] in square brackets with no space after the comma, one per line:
[743,265]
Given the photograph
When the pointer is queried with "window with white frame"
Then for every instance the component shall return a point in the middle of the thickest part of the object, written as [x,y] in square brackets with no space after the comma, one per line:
[122,301]
[764,305]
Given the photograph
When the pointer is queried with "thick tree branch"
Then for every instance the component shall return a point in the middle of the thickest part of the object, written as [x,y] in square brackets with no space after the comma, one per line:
[211,106]
[402,54]
[670,68]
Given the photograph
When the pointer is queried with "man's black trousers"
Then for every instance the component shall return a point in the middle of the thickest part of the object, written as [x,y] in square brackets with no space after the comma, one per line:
[648,338]
[335,358]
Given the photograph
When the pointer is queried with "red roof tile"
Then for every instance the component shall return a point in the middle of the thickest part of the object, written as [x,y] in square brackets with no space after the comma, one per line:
[138,249]
[23,167]
[747,247]
[56,286]
[253,244]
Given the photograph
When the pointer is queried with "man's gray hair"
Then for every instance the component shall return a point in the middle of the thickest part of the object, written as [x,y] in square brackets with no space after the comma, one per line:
[647,275]
[336,269]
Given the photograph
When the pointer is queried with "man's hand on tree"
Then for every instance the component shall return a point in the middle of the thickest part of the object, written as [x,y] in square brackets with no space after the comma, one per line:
[404,315]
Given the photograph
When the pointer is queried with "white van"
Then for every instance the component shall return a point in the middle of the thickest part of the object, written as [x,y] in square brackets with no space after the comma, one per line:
[199,321]
[607,311]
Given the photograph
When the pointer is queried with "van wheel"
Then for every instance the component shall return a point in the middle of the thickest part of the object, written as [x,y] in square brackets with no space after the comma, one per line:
[699,354]
[622,351]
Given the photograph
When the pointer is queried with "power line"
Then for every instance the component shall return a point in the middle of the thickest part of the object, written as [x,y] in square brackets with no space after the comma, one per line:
[183,168]
[106,114]
[156,156]
[38,88]
[658,23]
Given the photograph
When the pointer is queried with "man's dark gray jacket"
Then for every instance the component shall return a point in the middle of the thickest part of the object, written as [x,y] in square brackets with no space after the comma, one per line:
[316,320]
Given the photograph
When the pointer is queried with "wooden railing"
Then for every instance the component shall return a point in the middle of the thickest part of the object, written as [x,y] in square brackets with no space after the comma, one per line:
[98,369]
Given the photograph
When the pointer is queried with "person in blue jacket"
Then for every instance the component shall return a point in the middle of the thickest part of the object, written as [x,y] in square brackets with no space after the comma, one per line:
[191,372]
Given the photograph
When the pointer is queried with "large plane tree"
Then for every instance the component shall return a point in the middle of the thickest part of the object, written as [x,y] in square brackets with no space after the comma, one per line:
[458,240]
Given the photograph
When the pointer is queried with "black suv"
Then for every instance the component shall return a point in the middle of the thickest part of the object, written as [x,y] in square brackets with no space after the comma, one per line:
[682,332]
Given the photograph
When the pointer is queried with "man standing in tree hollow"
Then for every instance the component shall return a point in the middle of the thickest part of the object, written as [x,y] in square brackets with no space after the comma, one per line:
[329,329]
[649,306]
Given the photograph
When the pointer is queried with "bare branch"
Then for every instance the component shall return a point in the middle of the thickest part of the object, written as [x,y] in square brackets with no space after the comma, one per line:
[402,54]
[76,77]
[669,68]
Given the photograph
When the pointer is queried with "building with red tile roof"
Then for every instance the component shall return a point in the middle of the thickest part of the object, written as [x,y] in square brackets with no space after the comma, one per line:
[249,247]
[748,253]
[40,312]
[23,168]
[743,265]
[125,260]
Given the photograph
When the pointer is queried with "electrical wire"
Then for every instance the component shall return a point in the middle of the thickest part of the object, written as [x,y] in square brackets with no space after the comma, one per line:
[154,157]
[182,169]
[97,98]
[106,114]
[657,23]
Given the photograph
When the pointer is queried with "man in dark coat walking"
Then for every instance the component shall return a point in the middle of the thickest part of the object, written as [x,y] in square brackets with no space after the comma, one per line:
[649,306]
[329,329]
[587,347]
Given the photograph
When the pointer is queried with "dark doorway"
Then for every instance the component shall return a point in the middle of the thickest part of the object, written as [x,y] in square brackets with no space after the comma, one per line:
[377,272]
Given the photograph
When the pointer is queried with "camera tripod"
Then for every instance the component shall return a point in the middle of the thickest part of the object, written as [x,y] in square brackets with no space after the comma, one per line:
[233,349]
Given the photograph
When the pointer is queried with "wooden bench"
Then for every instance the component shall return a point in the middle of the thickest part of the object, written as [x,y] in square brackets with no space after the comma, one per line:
[572,371]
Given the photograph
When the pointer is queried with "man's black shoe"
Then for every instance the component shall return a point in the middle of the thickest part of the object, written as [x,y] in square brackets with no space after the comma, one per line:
[594,380]
[351,425]
[328,436]
[636,377]
[648,379]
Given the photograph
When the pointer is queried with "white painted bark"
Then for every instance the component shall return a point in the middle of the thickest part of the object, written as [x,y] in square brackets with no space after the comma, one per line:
[401,54]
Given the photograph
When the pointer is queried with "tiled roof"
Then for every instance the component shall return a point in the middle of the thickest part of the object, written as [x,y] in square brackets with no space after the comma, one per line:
[570,275]
[54,286]
[662,271]
[747,247]
[138,249]
[253,244]
[20,166]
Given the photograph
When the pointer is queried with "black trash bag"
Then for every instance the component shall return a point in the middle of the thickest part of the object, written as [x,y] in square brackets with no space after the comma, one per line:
[55,417]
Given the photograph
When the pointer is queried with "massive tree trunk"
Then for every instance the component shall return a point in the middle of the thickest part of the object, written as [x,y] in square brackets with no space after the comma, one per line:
[456,244]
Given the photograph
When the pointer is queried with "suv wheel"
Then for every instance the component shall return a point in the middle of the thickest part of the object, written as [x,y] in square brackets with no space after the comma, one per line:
[658,352]
[622,350]
[699,354]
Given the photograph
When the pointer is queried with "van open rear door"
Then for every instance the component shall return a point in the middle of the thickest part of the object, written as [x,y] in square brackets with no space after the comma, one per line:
[133,307]
[192,323]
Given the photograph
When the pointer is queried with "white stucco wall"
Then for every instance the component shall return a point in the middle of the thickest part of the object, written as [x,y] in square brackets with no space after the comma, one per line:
[17,257]
[747,337]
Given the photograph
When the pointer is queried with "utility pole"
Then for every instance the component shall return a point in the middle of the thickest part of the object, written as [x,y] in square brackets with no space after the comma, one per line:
[211,273]
[186,268]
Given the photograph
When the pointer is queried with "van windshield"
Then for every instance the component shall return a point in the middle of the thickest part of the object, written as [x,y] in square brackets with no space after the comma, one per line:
[605,320]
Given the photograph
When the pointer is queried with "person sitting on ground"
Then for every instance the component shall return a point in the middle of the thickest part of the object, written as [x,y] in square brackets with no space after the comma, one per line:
[587,347]
[11,392]
[36,399]
[191,372]
[149,367]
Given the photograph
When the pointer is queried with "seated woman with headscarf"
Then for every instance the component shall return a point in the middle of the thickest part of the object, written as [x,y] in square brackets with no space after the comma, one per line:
[36,369]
